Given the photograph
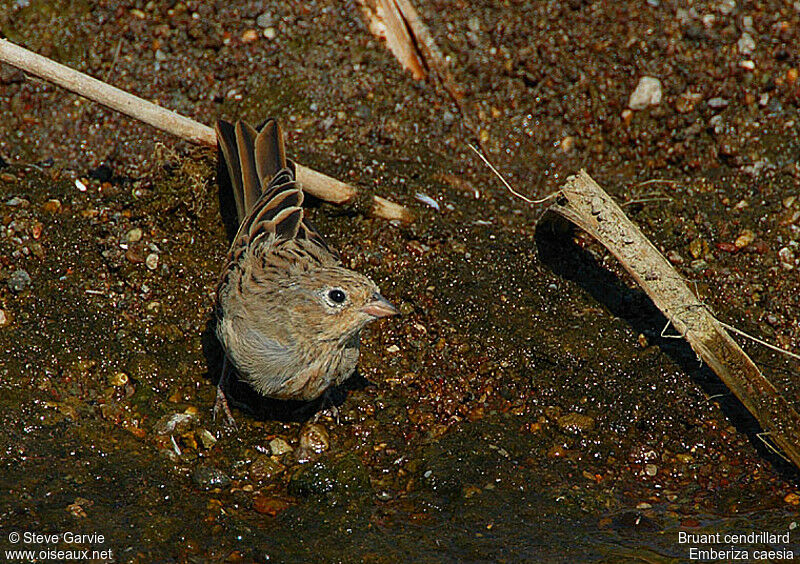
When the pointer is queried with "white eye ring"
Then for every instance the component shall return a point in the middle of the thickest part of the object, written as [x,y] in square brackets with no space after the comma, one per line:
[335,297]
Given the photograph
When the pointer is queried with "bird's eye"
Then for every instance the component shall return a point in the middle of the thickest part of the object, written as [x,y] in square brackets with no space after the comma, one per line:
[337,296]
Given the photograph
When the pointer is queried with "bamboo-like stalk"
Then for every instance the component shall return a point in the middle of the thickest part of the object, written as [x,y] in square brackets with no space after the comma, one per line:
[583,202]
[315,183]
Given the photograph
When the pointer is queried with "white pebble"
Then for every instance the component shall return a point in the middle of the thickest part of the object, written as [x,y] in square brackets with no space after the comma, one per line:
[151,261]
[786,257]
[647,93]
[425,199]
[746,44]
[134,235]
[80,185]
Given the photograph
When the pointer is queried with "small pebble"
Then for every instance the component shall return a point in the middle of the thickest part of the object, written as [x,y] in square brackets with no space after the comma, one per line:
[134,255]
[118,379]
[746,44]
[278,446]
[249,36]
[264,20]
[175,423]
[425,199]
[575,422]
[206,438]
[674,257]
[269,505]
[151,261]
[717,103]
[270,33]
[647,93]
[725,7]
[786,258]
[19,281]
[650,469]
[315,438]
[51,206]
[687,101]
[264,468]
[134,235]
[745,238]
[3,318]
[698,248]
[18,202]
[792,498]
[208,477]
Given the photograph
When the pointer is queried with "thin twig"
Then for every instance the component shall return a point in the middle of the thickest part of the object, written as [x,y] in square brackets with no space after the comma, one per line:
[645,200]
[114,59]
[657,181]
[505,183]
[759,341]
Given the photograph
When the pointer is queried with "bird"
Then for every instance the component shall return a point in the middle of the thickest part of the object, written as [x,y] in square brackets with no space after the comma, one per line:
[289,314]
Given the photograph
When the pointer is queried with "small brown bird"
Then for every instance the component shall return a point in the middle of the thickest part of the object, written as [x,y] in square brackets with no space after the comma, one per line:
[289,315]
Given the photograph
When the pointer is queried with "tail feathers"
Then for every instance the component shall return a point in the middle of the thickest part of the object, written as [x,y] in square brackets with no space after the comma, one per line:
[252,158]
[270,151]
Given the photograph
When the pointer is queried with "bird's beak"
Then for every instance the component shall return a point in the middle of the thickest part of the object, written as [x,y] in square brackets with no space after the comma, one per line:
[379,307]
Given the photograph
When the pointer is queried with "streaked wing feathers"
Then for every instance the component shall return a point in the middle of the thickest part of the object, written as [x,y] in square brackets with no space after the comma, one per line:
[268,200]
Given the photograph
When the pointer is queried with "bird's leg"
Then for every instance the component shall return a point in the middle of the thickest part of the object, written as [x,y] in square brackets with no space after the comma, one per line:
[333,411]
[221,402]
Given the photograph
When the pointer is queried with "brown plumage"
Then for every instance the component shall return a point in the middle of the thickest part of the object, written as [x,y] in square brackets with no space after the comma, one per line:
[289,315]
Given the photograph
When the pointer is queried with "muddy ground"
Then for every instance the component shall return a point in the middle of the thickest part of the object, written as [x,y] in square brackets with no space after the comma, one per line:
[524,406]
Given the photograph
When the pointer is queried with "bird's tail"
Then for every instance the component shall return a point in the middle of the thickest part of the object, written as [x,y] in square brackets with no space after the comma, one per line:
[253,158]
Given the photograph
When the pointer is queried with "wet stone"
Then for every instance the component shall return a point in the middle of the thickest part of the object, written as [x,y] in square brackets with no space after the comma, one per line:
[345,475]
[209,477]
[206,438]
[314,437]
[269,505]
[19,281]
[118,379]
[278,446]
[175,423]
[575,423]
[265,468]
